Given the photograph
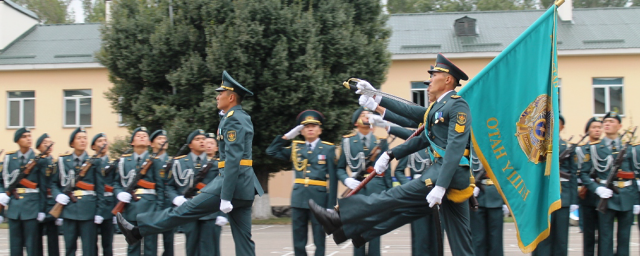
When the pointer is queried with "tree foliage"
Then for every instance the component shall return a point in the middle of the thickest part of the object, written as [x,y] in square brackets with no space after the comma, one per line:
[49,11]
[94,11]
[421,6]
[292,54]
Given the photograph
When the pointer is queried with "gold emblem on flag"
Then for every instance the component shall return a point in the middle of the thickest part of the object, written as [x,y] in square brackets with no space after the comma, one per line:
[534,129]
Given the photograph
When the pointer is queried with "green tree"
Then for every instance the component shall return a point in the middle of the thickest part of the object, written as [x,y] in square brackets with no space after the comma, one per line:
[49,11]
[292,54]
[599,3]
[94,11]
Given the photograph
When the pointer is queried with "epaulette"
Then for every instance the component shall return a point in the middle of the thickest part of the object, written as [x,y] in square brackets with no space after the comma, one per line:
[349,135]
[595,142]
[230,113]
[328,143]
[64,154]
[298,141]
[381,138]
[11,152]
[178,157]
[582,144]
[635,144]
[125,155]
[456,96]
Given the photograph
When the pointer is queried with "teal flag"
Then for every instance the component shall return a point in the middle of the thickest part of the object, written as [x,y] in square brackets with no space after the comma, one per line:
[514,105]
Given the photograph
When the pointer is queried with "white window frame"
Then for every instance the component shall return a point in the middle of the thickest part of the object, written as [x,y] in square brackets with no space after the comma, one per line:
[77,99]
[426,95]
[21,100]
[607,96]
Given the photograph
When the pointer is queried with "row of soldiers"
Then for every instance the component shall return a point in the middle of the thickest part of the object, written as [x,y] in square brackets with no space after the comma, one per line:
[88,188]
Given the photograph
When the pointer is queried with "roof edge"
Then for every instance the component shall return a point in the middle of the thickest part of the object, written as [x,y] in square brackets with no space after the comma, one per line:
[26,67]
[507,11]
[21,9]
[23,35]
[476,55]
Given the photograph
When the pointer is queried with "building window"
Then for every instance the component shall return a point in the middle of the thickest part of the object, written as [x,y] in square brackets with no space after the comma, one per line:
[77,108]
[419,93]
[607,96]
[21,109]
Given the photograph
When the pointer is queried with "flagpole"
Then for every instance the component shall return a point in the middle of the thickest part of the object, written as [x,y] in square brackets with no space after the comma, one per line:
[559,3]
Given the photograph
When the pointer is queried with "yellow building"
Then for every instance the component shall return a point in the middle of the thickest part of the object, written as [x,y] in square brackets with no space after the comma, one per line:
[51,81]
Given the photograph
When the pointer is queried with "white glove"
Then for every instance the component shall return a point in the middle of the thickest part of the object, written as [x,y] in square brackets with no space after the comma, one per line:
[1,219]
[382,164]
[41,216]
[115,220]
[221,221]
[179,200]
[376,120]
[363,84]
[4,199]
[225,206]
[505,210]
[351,183]
[476,191]
[62,199]
[580,180]
[435,196]
[636,209]
[98,219]
[124,197]
[573,207]
[604,193]
[638,182]
[59,222]
[367,102]
[294,132]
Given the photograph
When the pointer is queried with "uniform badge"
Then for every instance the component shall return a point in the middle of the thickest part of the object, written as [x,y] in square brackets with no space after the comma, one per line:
[587,157]
[533,129]
[462,118]
[231,135]
[459,128]
[322,159]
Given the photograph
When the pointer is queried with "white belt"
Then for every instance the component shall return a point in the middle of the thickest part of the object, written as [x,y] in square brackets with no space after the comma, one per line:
[620,184]
[84,193]
[487,182]
[563,179]
[145,191]
[108,193]
[417,176]
[27,190]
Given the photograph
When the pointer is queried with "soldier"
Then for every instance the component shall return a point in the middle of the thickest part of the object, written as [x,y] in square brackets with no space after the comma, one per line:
[600,156]
[313,161]
[158,138]
[149,192]
[79,217]
[634,161]
[211,147]
[106,228]
[232,192]
[588,200]
[558,241]
[25,204]
[189,173]
[447,120]
[49,226]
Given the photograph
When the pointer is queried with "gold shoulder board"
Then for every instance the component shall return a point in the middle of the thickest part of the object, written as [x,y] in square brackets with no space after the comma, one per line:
[349,135]
[178,157]
[595,142]
[125,155]
[298,141]
[456,96]
[328,143]
[230,113]
[11,152]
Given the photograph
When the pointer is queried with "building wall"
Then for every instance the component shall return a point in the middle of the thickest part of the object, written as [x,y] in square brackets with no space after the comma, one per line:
[49,86]
[19,24]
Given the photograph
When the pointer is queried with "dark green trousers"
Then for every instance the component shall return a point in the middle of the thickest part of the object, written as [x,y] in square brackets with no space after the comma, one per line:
[202,205]
[487,224]
[203,238]
[150,245]
[167,242]
[86,230]
[424,241]
[605,232]
[300,219]
[557,243]
[48,228]
[589,215]
[359,214]
[24,234]
[106,230]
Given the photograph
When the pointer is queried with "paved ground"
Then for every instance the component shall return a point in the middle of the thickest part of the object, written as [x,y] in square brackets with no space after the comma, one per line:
[276,240]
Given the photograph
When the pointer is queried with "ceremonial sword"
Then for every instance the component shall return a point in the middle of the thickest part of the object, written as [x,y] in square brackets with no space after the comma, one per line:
[350,84]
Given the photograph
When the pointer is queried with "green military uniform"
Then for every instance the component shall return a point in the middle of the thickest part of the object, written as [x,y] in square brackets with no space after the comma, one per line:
[167,236]
[236,183]
[448,129]
[557,243]
[150,195]
[22,212]
[313,163]
[588,213]
[107,177]
[79,217]
[634,161]
[48,225]
[600,155]
[203,235]
[487,220]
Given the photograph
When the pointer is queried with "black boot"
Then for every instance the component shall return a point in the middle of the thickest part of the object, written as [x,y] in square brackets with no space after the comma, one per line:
[339,236]
[130,232]
[330,220]
[358,241]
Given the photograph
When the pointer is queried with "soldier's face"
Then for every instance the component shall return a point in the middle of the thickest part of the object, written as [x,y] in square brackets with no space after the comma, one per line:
[364,118]
[311,131]
[611,125]
[158,141]
[595,130]
[211,146]
[561,125]
[80,141]
[437,85]
[25,140]
[45,143]
[197,144]
[98,145]
[140,139]
[223,99]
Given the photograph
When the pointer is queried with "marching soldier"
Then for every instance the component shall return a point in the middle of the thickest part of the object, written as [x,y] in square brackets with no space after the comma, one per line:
[449,140]
[158,138]
[634,161]
[81,216]
[623,205]
[313,161]
[356,148]
[232,192]
[149,192]
[588,199]
[49,226]
[24,205]
[106,228]
[558,241]
[194,171]
[211,147]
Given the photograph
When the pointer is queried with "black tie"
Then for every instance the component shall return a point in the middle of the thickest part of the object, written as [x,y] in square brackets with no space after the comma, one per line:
[139,160]
[22,160]
[198,162]
[309,147]
[364,142]
[77,163]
